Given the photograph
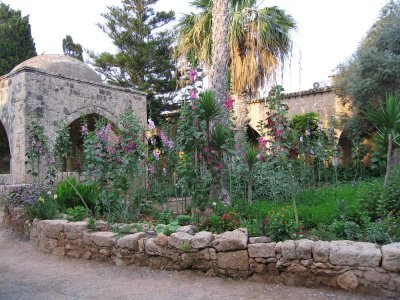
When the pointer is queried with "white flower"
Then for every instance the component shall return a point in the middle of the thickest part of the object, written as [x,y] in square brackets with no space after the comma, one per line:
[214,203]
[55,197]
[49,193]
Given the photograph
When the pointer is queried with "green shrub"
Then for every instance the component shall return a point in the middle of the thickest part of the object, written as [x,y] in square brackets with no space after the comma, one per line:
[185,247]
[337,229]
[164,217]
[352,231]
[67,196]
[280,225]
[78,213]
[368,197]
[254,227]
[183,220]
[384,231]
[389,202]
[167,229]
[91,224]
[46,208]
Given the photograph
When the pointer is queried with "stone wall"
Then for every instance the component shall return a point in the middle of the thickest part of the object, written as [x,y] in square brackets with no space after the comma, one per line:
[322,101]
[353,266]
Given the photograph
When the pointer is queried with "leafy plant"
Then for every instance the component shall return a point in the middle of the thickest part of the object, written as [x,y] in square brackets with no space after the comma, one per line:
[185,247]
[45,208]
[78,213]
[280,225]
[91,224]
[164,217]
[183,220]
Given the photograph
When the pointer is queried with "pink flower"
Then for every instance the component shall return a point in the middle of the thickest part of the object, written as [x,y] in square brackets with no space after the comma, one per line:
[206,149]
[84,129]
[193,106]
[229,103]
[152,169]
[193,74]
[218,166]
[156,155]
[193,94]
[308,132]
[108,127]
[263,142]
[151,124]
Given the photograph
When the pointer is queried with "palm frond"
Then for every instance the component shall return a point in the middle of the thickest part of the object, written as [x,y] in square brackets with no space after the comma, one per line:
[209,106]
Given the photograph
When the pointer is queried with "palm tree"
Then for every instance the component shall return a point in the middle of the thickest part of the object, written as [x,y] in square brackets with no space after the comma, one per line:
[258,41]
[387,121]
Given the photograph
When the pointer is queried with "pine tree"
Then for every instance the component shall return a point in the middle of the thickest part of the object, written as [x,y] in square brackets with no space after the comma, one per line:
[16,42]
[144,53]
[72,49]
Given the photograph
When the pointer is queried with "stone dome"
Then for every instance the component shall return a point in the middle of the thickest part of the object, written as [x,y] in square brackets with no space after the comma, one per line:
[60,64]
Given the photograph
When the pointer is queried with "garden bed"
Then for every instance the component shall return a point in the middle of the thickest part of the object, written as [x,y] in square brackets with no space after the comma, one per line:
[353,266]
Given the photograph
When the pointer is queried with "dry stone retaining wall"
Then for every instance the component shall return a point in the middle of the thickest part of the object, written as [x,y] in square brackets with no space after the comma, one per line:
[353,266]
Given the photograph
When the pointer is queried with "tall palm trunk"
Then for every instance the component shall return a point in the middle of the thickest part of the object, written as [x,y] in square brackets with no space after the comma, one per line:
[219,77]
[241,122]
[388,160]
[219,66]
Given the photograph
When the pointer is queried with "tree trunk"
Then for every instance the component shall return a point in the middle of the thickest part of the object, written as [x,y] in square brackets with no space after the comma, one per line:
[388,160]
[219,76]
[241,122]
[219,67]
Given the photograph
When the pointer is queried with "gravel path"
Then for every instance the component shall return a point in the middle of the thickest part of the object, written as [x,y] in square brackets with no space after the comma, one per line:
[25,273]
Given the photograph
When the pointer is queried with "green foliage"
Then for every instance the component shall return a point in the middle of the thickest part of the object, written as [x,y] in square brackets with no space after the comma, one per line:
[167,229]
[164,217]
[306,121]
[352,231]
[185,247]
[78,213]
[67,197]
[226,222]
[121,230]
[254,227]
[62,146]
[91,224]
[389,202]
[46,208]
[143,59]
[368,197]
[183,220]
[374,70]
[17,44]
[280,225]
[72,49]
[384,231]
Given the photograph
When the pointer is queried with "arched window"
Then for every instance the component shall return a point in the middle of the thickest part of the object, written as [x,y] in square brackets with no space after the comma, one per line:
[5,155]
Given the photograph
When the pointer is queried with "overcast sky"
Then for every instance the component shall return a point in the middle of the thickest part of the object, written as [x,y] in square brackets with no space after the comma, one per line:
[329,31]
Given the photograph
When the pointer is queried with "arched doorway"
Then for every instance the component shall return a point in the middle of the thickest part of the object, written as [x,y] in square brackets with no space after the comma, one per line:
[5,155]
[252,136]
[75,161]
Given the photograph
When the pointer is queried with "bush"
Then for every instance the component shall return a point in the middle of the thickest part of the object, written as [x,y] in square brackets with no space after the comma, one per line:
[280,225]
[164,217]
[368,197]
[352,231]
[46,208]
[389,202]
[254,227]
[67,197]
[384,231]
[183,220]
[78,213]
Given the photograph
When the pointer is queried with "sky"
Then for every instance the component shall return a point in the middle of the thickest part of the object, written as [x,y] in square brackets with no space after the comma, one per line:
[328,31]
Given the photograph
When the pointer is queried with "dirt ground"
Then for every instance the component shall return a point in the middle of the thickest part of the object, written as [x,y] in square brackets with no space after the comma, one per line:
[25,273]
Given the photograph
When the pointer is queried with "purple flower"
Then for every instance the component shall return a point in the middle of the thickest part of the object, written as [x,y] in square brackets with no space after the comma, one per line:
[193,74]
[193,94]
[152,169]
[156,155]
[84,129]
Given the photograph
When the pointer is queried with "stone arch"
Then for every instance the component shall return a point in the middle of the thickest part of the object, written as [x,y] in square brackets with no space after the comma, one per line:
[252,135]
[74,162]
[5,150]
[77,115]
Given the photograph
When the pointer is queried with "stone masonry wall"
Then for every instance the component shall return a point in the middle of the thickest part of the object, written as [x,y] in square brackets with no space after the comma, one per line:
[353,266]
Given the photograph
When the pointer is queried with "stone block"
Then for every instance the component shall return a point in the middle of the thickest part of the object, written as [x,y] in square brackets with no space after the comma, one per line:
[391,257]
[177,239]
[202,239]
[320,251]
[263,250]
[51,228]
[235,260]
[303,249]
[354,254]
[74,230]
[259,239]
[288,249]
[347,281]
[103,238]
[231,240]
[130,241]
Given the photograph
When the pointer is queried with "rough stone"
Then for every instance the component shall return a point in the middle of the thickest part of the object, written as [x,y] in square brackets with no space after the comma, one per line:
[51,228]
[303,249]
[190,229]
[347,281]
[130,241]
[103,239]
[354,254]
[235,260]
[259,239]
[74,230]
[376,277]
[288,249]
[320,251]
[161,240]
[391,257]
[202,239]
[262,250]
[231,240]
[177,239]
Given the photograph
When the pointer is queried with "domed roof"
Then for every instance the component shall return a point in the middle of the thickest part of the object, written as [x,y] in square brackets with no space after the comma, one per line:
[60,64]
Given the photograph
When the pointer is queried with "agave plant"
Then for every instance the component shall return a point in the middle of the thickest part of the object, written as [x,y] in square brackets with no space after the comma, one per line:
[387,121]
[209,109]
